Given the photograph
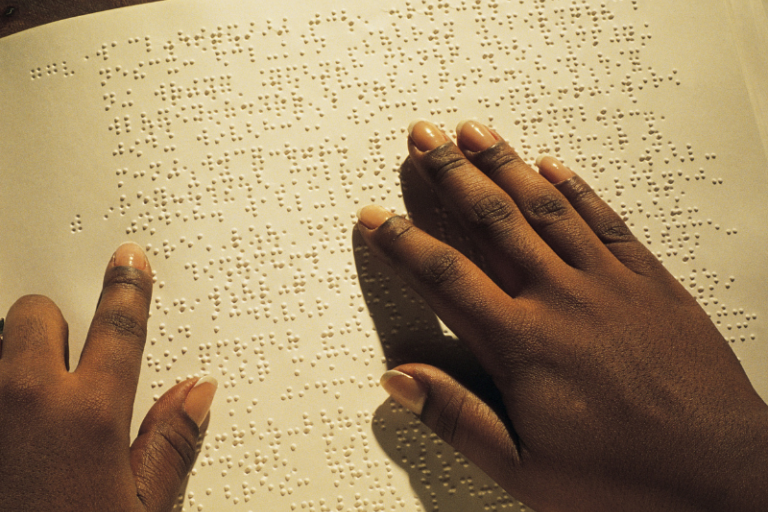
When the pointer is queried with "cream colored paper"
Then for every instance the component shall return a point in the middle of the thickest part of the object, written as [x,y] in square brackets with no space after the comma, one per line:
[235,141]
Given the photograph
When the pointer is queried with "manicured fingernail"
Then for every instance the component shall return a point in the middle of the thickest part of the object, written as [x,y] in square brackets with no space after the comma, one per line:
[425,135]
[405,390]
[475,136]
[553,169]
[373,216]
[129,254]
[199,399]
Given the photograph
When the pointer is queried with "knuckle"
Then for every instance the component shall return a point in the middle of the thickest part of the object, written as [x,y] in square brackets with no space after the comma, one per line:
[394,230]
[33,321]
[578,191]
[120,322]
[489,211]
[502,159]
[31,311]
[449,419]
[497,159]
[608,226]
[614,231]
[443,162]
[33,302]
[129,279]
[447,167]
[441,269]
[547,207]
[180,441]
[25,391]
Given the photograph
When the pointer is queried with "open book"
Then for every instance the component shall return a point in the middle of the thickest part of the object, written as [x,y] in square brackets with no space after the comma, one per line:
[235,140]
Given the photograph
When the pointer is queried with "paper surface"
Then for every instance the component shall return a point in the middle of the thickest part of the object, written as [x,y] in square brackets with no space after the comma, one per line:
[235,141]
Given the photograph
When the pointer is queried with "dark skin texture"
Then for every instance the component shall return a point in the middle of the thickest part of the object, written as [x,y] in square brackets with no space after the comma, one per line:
[618,391]
[64,436]
[19,15]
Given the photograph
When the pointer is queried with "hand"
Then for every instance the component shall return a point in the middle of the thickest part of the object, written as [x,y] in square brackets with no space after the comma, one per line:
[618,392]
[64,437]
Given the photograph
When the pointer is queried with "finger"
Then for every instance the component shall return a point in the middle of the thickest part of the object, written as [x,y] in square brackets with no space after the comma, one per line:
[112,353]
[164,451]
[35,336]
[601,219]
[459,417]
[546,210]
[426,212]
[461,294]
[423,205]
[513,250]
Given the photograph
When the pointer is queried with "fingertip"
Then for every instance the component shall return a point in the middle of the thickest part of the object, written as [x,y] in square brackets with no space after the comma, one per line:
[373,216]
[130,254]
[199,399]
[553,169]
[460,126]
[405,390]
[413,124]
[475,136]
[426,136]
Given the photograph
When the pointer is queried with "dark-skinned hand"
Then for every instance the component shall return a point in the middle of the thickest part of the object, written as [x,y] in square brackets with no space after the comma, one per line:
[65,436]
[619,394]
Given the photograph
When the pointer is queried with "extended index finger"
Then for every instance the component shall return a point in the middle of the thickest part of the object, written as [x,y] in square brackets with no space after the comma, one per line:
[461,294]
[111,357]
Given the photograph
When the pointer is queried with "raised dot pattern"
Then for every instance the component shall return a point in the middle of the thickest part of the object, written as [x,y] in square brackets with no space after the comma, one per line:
[240,150]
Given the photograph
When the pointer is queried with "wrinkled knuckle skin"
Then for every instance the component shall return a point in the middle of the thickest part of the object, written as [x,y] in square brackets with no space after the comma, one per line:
[442,162]
[609,226]
[448,422]
[440,270]
[490,211]
[118,322]
[497,158]
[578,191]
[129,279]
[182,442]
[394,231]
[546,209]
[612,232]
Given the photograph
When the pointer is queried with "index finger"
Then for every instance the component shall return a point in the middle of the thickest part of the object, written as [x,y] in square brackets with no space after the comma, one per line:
[460,293]
[111,357]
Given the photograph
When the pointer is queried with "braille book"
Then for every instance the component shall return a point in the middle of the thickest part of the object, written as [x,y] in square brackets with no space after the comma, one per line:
[235,141]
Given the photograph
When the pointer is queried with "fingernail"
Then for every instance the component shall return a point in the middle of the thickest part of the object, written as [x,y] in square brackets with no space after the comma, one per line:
[199,399]
[405,390]
[475,136]
[373,216]
[129,254]
[425,135]
[553,169]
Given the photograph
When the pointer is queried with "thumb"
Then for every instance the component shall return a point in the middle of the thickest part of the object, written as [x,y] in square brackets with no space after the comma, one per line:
[458,416]
[164,451]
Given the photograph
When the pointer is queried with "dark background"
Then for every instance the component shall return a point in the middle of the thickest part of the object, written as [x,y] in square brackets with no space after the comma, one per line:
[19,15]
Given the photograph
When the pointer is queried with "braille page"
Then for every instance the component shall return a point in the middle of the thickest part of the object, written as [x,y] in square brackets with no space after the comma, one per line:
[235,140]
